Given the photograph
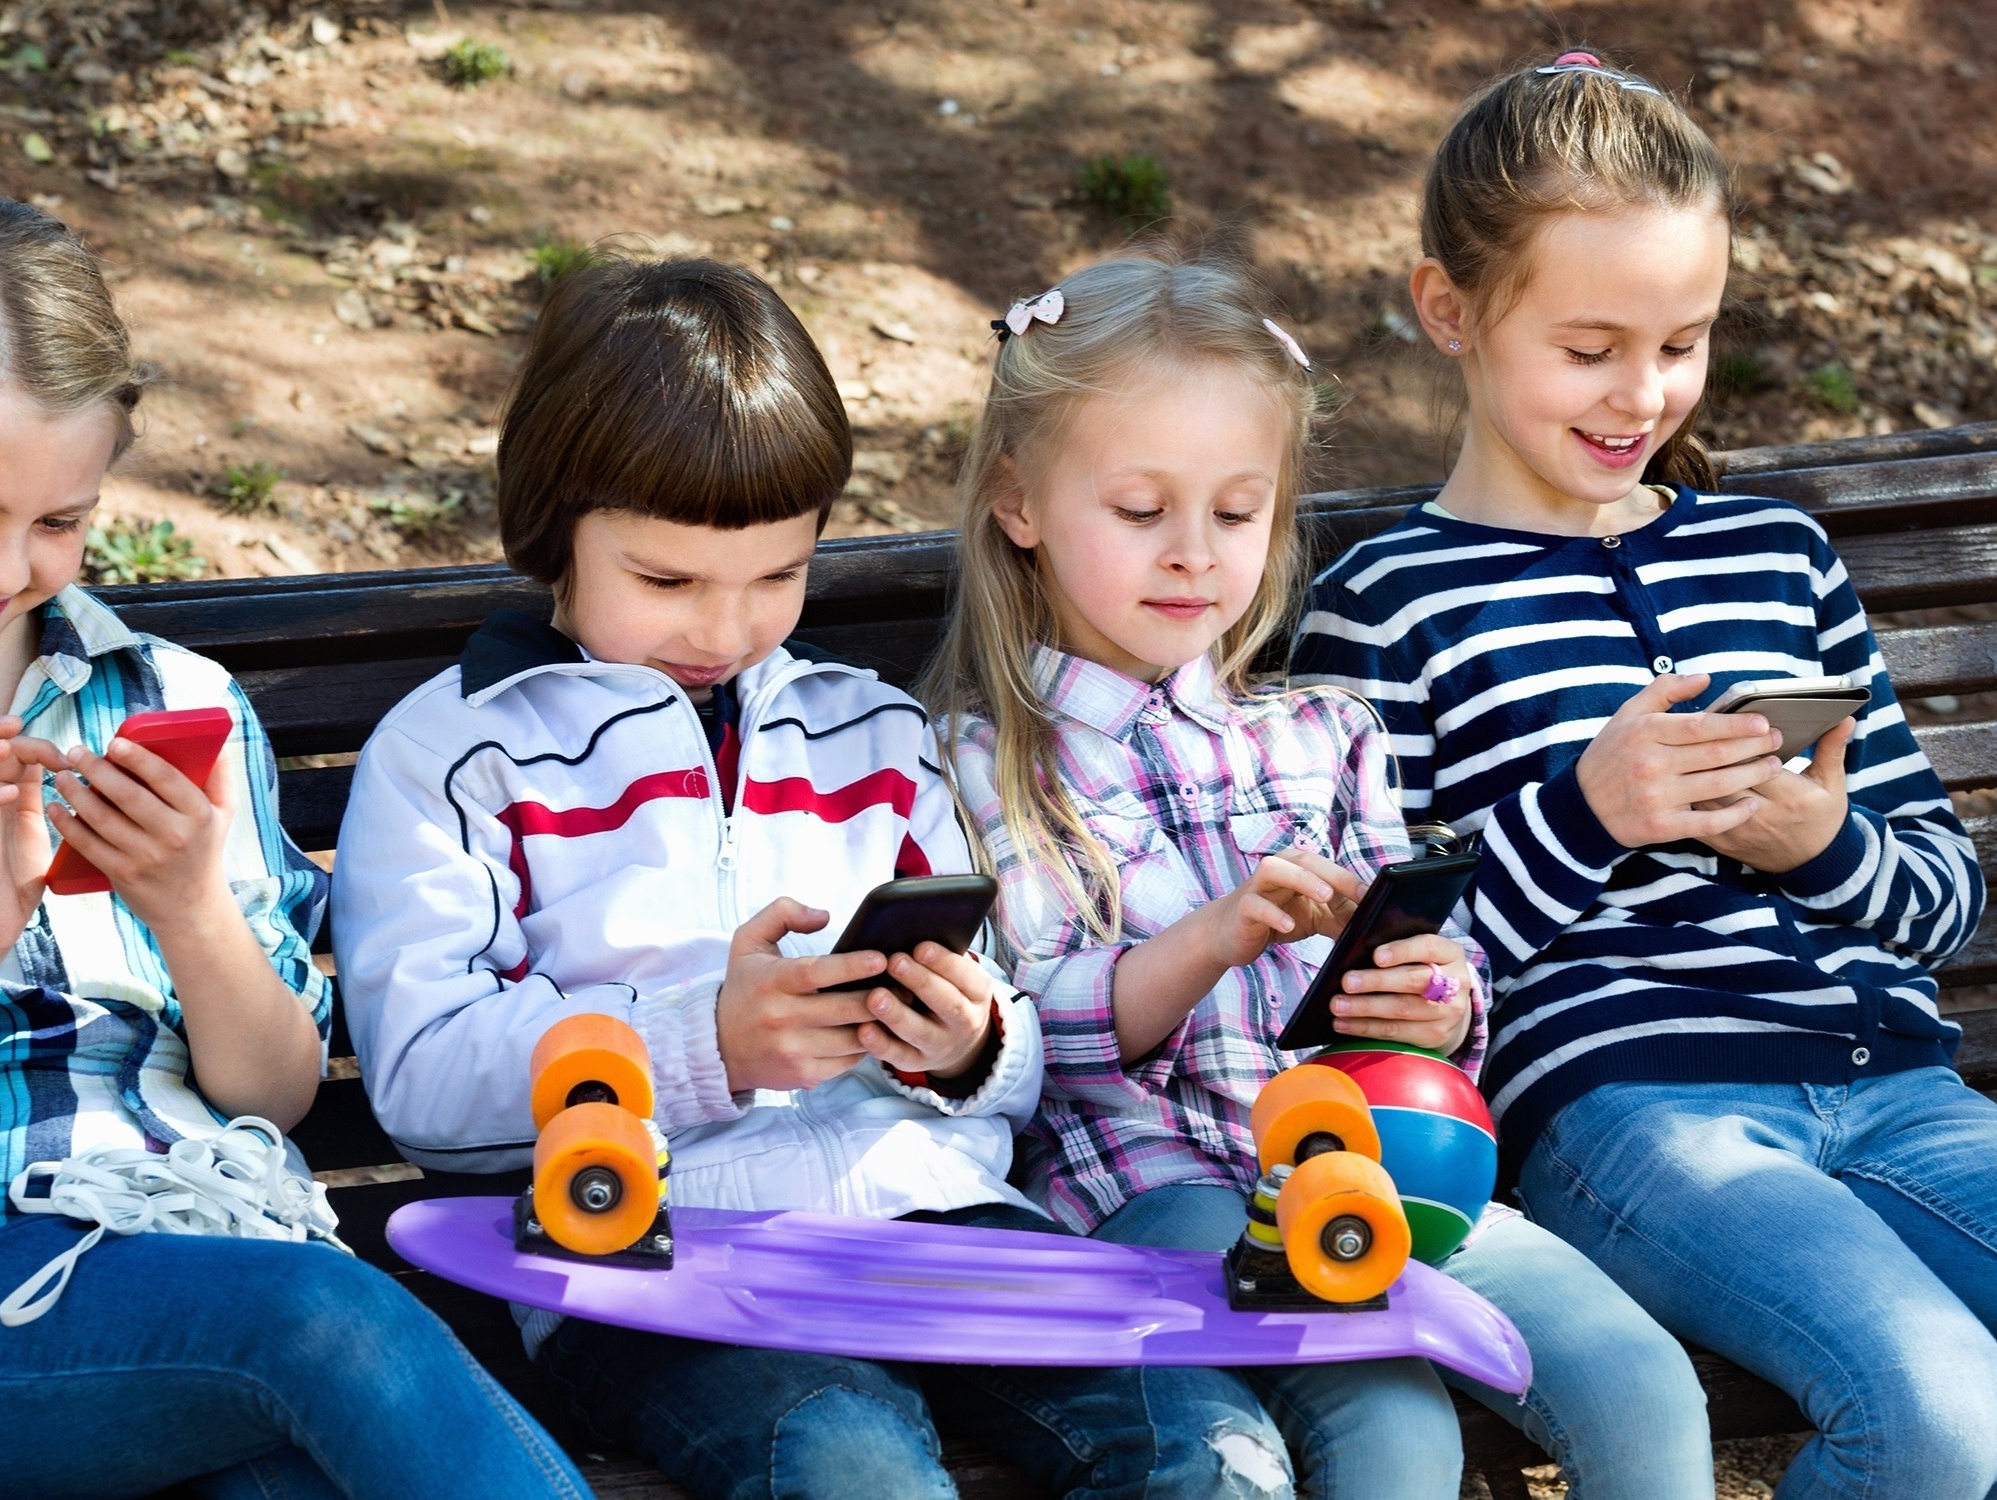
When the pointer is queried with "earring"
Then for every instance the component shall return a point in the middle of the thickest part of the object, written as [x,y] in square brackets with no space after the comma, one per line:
[1456,346]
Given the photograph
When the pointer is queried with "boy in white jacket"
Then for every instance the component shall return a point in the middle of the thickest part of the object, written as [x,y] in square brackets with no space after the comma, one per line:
[650,809]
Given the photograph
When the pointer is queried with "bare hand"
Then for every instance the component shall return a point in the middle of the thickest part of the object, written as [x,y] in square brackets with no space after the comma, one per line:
[1655,777]
[945,1042]
[157,837]
[1288,897]
[1387,1003]
[773,1027]
[1796,816]
[24,834]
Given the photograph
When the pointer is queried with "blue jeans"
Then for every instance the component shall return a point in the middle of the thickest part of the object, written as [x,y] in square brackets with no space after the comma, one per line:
[1839,1241]
[731,1423]
[1613,1398]
[250,1370]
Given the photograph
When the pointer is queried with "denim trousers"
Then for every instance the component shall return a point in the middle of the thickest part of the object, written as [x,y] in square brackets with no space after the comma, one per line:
[1614,1398]
[249,1370]
[732,1423]
[1839,1241]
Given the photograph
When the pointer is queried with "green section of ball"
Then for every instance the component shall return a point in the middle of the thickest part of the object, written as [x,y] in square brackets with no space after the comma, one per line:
[1437,1229]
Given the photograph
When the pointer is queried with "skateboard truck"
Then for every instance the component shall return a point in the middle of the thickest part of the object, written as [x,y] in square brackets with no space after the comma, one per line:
[653,1250]
[1259,1278]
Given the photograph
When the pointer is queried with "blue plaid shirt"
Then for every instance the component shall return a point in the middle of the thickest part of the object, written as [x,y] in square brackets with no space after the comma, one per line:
[92,1048]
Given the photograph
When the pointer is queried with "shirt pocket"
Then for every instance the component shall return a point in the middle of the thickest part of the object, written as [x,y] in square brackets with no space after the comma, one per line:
[1257,835]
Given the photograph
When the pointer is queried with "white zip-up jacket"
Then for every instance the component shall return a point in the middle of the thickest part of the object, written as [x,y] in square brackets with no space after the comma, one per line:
[533,834]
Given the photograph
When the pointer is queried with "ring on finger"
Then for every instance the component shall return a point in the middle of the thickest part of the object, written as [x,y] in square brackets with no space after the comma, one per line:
[1442,988]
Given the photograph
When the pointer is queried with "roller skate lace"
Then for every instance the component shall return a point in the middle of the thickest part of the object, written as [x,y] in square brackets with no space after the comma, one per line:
[236,1183]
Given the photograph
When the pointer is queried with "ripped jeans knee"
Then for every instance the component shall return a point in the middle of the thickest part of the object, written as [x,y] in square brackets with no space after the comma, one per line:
[1253,1465]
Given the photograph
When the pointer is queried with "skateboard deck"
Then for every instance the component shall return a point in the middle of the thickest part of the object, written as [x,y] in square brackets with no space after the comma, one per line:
[937,1293]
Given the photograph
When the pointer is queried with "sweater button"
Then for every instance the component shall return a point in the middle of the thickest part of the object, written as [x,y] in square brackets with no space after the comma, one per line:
[1660,664]
[1861,1055]
[1612,542]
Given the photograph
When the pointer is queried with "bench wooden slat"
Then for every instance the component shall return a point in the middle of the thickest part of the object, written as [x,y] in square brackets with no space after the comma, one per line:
[312,800]
[1927,660]
[314,710]
[1964,755]
[1968,437]
[1852,498]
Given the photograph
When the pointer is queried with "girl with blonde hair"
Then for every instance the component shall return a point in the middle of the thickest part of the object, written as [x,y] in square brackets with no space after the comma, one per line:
[1175,849]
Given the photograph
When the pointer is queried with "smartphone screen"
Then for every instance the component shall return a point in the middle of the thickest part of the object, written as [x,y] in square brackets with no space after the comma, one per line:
[896,917]
[1405,900]
[188,739]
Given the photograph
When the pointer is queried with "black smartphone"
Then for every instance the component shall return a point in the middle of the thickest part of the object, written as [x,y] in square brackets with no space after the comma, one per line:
[894,918]
[1405,900]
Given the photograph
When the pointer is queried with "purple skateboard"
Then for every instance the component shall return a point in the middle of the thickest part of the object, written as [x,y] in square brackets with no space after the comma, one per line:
[879,1289]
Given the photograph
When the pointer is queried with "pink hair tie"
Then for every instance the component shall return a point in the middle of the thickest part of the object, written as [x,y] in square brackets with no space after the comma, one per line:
[1587,58]
[1586,62]
[1442,988]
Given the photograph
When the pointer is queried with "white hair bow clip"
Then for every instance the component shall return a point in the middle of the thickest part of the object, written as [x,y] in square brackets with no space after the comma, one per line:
[1587,62]
[1046,308]
[1295,349]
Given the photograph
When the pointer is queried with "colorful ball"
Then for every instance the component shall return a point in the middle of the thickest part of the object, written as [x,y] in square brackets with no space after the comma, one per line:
[1436,1137]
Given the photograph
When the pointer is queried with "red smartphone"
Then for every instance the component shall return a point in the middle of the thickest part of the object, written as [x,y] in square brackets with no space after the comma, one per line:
[188,739]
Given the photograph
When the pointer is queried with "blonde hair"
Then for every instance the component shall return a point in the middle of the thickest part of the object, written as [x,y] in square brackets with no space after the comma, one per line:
[61,340]
[1548,140]
[1125,320]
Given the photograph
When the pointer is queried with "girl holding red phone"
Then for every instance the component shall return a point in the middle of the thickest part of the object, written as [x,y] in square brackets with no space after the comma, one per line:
[164,1022]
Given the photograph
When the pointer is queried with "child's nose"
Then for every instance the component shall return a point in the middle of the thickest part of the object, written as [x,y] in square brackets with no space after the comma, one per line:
[1642,393]
[1188,545]
[16,571]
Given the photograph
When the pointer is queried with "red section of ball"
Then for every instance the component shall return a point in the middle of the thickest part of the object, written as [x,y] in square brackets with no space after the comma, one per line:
[1390,1077]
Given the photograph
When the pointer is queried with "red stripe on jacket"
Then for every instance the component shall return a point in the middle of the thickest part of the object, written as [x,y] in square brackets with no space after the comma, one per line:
[883,788]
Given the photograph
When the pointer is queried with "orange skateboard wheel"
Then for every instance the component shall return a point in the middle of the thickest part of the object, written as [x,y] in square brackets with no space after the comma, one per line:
[589,1059]
[596,1179]
[1344,1232]
[1311,1100]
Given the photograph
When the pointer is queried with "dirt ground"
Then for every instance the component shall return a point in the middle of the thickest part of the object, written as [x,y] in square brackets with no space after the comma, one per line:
[330,249]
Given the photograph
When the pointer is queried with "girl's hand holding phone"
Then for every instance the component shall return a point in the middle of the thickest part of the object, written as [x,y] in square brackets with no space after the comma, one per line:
[946,1035]
[1655,777]
[24,833]
[156,836]
[1390,1005]
[1796,816]
[1288,897]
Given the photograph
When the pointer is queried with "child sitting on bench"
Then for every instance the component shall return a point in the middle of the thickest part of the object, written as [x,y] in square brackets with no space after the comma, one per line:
[136,1021]
[1716,1060]
[651,809]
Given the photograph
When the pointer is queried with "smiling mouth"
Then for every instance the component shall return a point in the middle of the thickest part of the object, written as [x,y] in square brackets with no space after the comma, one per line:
[696,676]
[1614,446]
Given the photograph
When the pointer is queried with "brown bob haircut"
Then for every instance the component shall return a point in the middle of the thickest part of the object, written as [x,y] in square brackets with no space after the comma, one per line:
[681,389]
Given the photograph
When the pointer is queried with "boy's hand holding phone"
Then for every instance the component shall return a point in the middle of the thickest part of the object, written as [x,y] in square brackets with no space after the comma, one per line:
[1655,777]
[1390,1003]
[947,1034]
[773,1027]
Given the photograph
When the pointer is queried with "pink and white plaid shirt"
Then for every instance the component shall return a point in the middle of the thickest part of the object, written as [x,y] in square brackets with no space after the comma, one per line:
[1188,789]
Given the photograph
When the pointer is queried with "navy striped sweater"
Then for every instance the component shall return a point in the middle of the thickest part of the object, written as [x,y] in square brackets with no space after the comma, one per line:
[1496,655]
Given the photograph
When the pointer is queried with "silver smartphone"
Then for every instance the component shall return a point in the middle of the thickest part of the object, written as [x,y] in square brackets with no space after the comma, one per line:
[1804,709]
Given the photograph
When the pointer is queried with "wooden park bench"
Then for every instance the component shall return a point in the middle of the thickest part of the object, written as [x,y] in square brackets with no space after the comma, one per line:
[324,657]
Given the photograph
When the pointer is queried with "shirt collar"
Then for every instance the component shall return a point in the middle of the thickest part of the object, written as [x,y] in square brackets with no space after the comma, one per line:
[76,629]
[1111,702]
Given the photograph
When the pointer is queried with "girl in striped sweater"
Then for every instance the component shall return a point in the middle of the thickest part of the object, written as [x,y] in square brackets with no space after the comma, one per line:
[1715,1053]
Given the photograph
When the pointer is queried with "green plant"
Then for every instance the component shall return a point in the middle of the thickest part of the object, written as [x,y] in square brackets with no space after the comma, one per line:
[29,59]
[181,57]
[471,63]
[129,550]
[246,488]
[1832,388]
[417,515]
[1738,374]
[1125,188]
[555,258]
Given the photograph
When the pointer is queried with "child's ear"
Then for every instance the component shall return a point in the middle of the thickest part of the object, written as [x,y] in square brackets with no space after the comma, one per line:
[1009,507]
[1439,305]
